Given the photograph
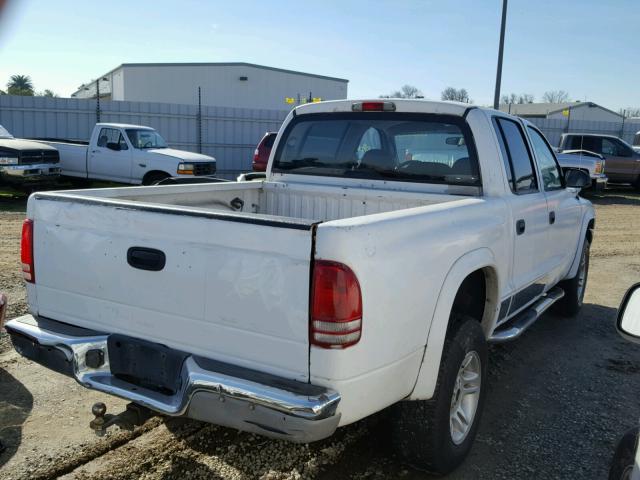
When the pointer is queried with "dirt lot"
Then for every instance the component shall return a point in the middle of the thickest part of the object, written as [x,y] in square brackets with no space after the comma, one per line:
[558,400]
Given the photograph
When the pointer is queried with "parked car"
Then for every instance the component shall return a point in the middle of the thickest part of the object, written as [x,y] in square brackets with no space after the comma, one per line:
[626,461]
[26,163]
[623,162]
[261,154]
[636,142]
[369,270]
[590,162]
[128,154]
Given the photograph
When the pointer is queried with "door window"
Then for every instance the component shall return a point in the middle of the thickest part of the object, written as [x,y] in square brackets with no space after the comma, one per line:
[111,135]
[615,148]
[551,177]
[523,179]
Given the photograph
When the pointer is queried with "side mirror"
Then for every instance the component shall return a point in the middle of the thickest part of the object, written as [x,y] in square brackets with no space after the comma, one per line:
[577,178]
[113,146]
[629,315]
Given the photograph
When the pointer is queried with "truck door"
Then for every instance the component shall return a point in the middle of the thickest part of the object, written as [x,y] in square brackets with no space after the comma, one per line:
[564,211]
[622,163]
[110,157]
[528,213]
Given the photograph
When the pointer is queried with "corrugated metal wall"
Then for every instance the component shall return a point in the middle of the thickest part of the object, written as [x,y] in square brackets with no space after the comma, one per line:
[229,134]
[554,128]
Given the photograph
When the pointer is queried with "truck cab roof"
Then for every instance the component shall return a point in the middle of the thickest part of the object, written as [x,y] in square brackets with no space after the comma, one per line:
[124,125]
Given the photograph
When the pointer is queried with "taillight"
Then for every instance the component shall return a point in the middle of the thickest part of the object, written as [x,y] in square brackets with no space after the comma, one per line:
[336,306]
[599,167]
[26,252]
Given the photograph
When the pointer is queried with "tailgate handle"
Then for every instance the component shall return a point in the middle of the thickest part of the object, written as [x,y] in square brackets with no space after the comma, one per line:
[146,258]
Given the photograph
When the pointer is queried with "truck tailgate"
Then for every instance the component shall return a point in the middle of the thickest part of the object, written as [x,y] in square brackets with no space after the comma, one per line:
[234,289]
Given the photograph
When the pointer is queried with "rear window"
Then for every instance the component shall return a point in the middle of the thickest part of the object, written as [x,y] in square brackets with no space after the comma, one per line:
[383,146]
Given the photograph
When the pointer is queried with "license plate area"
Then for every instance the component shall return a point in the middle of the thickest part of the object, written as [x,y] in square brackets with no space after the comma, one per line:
[146,364]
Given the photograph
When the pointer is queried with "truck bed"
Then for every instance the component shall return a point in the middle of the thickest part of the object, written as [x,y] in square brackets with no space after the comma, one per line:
[269,201]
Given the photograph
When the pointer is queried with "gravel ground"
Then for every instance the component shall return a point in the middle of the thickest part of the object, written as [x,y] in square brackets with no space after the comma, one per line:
[558,399]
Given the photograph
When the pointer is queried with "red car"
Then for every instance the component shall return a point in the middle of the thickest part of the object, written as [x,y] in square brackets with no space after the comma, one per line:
[261,154]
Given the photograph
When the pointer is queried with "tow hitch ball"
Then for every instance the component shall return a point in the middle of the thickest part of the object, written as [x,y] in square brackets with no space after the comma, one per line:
[134,415]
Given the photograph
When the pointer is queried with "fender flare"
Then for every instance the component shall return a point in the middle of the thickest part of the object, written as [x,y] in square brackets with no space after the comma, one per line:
[588,217]
[425,385]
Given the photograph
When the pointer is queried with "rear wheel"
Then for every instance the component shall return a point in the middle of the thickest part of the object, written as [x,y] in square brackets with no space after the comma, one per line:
[574,288]
[436,435]
[624,458]
[152,178]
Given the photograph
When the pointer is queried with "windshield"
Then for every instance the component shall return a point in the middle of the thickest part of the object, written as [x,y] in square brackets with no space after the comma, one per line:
[144,138]
[4,133]
[387,146]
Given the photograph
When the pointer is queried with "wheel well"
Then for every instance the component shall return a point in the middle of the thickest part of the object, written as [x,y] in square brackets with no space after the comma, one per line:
[477,297]
[590,227]
[154,173]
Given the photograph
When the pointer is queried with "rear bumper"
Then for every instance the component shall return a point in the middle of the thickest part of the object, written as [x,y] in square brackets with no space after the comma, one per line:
[210,391]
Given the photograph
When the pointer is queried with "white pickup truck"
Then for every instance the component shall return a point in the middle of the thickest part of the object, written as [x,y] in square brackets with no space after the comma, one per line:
[128,154]
[389,243]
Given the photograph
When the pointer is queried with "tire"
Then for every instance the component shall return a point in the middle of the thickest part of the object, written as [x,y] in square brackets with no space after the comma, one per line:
[636,184]
[422,431]
[574,288]
[624,458]
[152,178]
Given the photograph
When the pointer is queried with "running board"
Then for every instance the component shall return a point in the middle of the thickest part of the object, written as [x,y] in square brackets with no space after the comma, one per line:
[525,319]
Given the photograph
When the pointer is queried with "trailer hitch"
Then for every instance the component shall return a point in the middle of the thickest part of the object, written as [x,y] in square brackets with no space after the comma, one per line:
[134,415]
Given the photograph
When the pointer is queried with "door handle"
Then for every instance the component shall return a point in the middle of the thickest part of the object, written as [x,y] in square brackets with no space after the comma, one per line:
[520,227]
[144,258]
[552,218]
[95,151]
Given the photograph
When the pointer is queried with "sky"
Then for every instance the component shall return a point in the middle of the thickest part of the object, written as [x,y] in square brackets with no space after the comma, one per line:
[587,47]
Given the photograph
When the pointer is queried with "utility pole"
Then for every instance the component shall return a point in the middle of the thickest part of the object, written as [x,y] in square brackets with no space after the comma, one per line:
[199,120]
[496,97]
[98,101]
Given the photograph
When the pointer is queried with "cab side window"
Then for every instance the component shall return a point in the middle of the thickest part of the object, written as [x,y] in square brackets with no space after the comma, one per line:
[520,164]
[551,176]
[111,135]
[615,148]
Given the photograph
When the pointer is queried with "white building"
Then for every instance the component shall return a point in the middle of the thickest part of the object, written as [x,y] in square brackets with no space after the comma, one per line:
[574,110]
[242,85]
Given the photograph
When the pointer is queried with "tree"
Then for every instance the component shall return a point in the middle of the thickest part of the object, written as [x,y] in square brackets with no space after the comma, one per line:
[630,112]
[517,98]
[456,95]
[555,96]
[47,93]
[407,91]
[2,92]
[20,85]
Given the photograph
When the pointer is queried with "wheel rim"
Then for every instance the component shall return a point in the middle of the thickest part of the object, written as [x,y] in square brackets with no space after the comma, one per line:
[582,277]
[465,398]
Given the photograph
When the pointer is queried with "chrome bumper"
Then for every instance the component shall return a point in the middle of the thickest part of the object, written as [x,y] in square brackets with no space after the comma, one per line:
[599,182]
[30,172]
[210,391]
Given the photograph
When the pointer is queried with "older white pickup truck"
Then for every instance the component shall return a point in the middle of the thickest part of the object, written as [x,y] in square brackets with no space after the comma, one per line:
[128,154]
[389,243]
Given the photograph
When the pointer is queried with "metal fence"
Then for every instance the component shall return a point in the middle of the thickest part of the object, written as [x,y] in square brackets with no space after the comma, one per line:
[228,134]
[554,128]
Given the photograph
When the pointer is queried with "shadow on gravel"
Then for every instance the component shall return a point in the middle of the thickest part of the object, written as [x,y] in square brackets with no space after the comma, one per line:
[15,405]
[557,401]
[616,195]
